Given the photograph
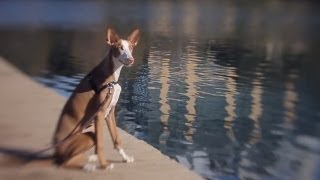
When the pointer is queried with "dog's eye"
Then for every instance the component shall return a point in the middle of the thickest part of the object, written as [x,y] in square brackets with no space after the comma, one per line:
[121,47]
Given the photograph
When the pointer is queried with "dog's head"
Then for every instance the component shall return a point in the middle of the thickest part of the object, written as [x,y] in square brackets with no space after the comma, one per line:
[121,48]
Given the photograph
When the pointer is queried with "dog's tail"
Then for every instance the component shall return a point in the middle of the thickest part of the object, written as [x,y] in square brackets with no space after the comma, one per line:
[10,157]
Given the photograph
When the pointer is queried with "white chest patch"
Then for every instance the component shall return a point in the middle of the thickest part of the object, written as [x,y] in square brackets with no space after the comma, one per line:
[115,98]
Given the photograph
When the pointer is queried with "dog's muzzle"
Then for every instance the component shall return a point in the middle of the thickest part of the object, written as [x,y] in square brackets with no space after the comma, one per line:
[128,62]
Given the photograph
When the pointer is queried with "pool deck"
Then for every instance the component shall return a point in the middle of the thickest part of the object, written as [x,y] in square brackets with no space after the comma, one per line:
[28,114]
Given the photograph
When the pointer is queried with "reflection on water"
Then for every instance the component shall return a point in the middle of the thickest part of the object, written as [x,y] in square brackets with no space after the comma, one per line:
[289,102]
[191,93]
[256,107]
[229,90]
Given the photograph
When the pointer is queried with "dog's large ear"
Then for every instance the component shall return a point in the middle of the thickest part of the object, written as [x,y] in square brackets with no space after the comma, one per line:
[112,36]
[134,37]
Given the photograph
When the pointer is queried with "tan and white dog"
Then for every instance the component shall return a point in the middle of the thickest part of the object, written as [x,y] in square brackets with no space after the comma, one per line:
[86,100]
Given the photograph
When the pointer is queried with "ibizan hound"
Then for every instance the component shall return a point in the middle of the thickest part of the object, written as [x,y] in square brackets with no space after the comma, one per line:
[85,100]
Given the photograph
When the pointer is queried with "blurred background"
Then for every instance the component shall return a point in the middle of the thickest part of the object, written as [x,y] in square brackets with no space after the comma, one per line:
[228,88]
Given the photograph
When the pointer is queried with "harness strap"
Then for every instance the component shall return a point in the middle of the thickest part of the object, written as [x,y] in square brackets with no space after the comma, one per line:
[96,89]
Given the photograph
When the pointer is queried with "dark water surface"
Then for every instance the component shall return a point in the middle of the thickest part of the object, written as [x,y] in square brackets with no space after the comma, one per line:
[228,89]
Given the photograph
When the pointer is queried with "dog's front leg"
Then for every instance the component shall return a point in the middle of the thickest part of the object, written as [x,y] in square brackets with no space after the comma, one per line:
[112,126]
[99,148]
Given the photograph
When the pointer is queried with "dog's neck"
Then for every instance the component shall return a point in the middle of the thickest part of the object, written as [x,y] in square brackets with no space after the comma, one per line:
[117,66]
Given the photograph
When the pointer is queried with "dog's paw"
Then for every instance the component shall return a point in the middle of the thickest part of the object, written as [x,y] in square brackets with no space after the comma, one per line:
[90,167]
[92,163]
[110,166]
[125,157]
[128,159]
[93,158]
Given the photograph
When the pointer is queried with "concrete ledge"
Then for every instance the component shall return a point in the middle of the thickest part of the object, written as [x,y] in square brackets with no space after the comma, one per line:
[28,115]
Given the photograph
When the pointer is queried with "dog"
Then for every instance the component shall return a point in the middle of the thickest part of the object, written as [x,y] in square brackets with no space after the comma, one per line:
[96,94]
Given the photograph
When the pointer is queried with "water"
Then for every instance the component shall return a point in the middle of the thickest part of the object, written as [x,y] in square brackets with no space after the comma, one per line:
[228,89]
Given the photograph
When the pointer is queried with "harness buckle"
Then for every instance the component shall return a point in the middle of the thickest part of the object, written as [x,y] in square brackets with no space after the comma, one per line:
[96,89]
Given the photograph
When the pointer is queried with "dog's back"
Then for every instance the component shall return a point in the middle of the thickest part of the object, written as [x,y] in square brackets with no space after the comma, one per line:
[80,106]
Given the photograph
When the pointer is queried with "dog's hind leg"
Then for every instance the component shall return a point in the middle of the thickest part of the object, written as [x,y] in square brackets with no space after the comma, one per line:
[72,152]
[78,161]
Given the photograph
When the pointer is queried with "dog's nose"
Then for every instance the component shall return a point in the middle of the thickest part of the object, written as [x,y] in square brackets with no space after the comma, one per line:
[130,60]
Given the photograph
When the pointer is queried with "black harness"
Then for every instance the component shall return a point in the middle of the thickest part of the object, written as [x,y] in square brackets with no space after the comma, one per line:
[96,89]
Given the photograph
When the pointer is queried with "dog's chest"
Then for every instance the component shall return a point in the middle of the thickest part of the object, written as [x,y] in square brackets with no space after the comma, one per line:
[115,98]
